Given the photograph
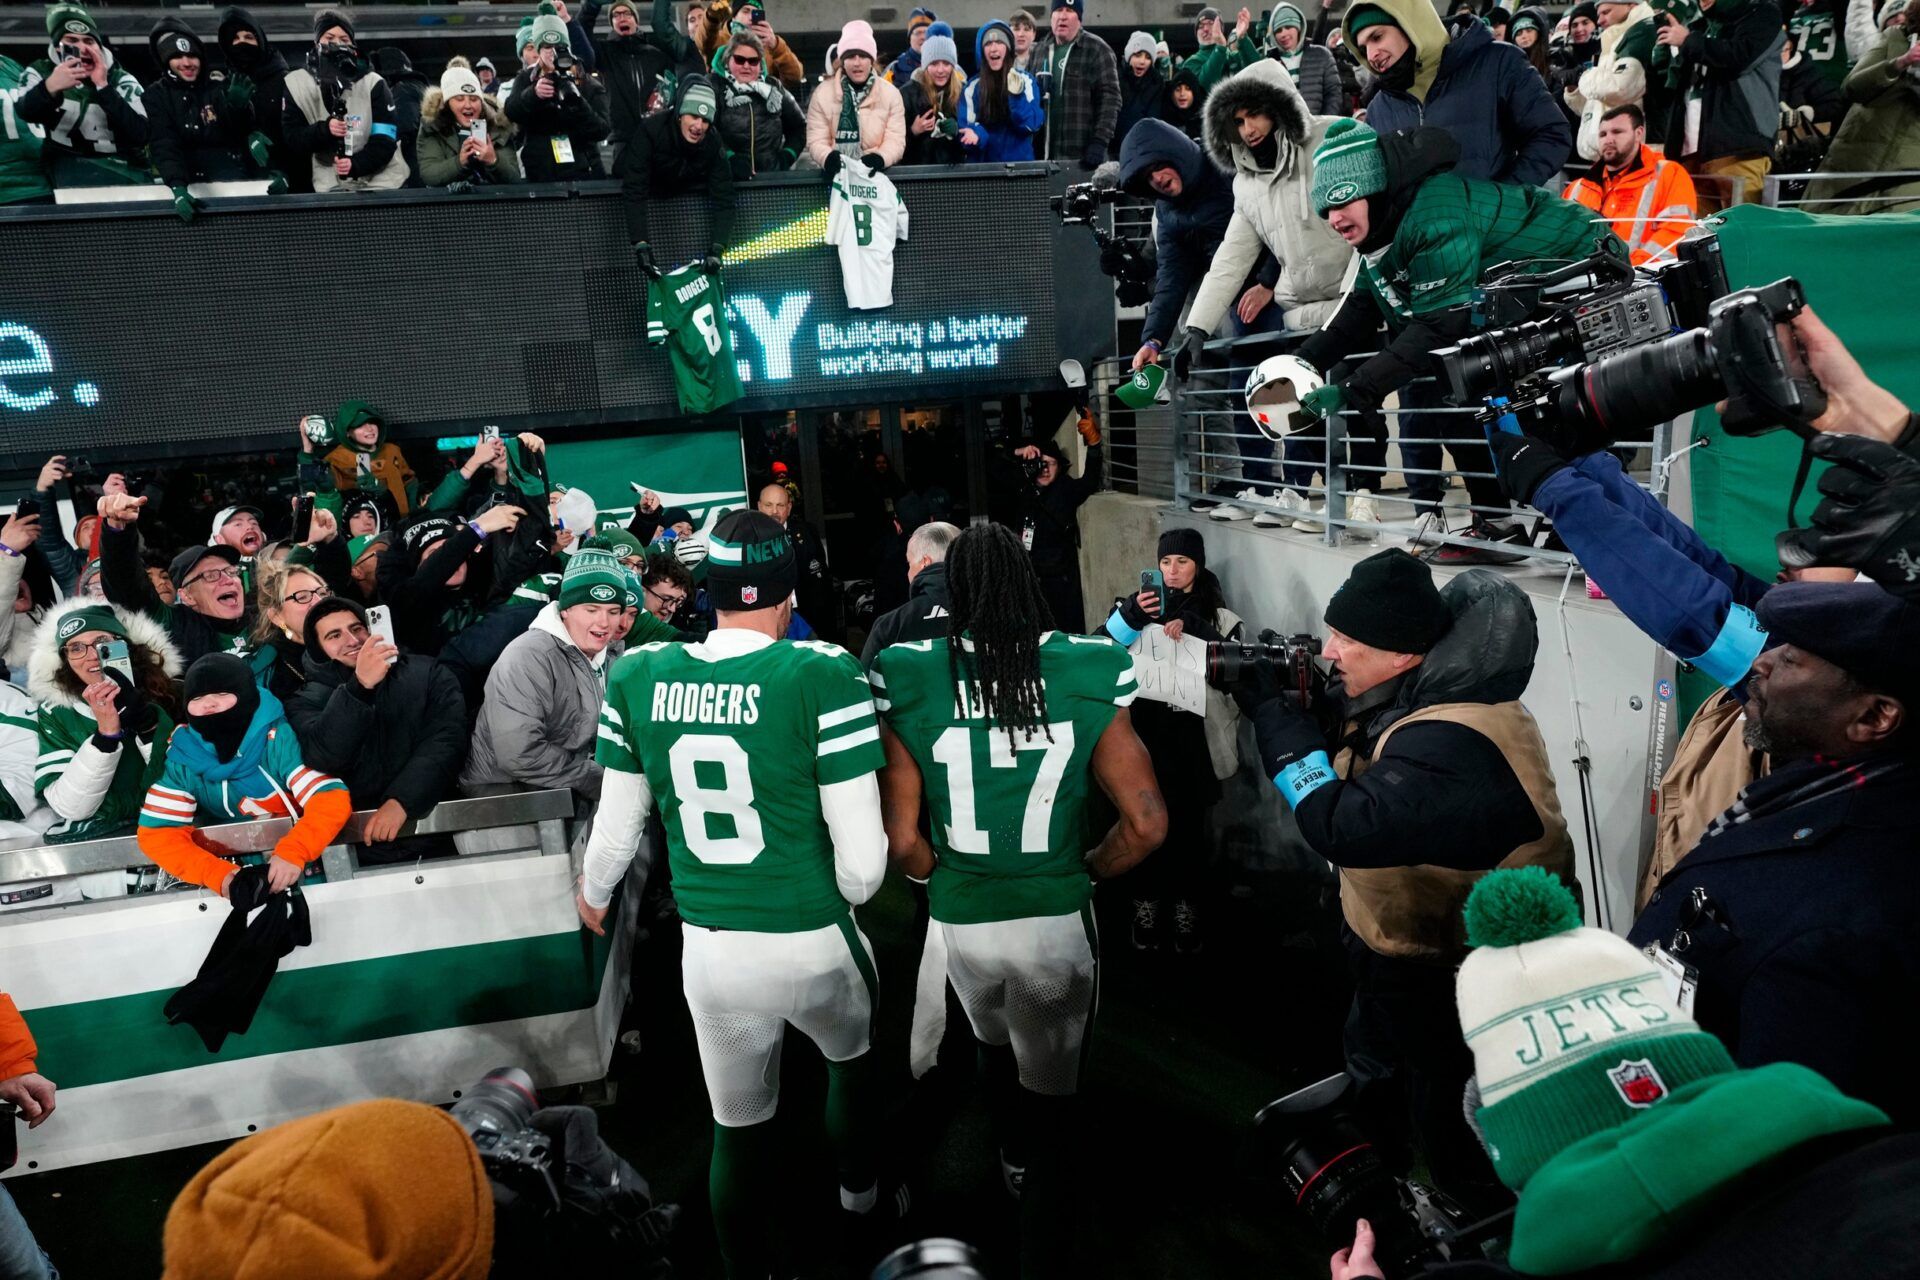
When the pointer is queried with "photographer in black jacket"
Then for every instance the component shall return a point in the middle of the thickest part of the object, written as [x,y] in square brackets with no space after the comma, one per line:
[1050,498]
[562,109]
[1431,775]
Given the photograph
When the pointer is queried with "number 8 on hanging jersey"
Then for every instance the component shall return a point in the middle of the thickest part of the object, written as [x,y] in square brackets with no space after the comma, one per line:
[865,215]
[687,310]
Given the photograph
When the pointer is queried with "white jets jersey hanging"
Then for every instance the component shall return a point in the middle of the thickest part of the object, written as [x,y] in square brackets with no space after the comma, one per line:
[865,216]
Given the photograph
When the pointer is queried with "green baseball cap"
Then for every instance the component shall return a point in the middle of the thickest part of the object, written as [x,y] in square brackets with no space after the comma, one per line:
[1146,388]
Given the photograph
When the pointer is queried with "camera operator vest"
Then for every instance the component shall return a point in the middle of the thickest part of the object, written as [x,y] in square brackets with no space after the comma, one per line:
[1415,912]
[304,90]
[1710,768]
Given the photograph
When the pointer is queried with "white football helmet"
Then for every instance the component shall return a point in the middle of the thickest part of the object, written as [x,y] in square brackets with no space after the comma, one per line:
[1274,391]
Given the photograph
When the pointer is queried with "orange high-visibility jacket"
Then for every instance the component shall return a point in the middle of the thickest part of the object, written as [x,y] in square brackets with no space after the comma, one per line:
[1650,204]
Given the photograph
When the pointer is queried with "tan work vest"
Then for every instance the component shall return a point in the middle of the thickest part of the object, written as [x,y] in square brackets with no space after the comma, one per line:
[305,92]
[1416,911]
[1710,767]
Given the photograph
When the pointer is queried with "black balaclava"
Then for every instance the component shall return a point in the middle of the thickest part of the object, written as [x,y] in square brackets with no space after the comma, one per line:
[222,673]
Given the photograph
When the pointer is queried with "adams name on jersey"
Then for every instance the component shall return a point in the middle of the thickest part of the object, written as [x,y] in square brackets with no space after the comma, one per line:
[1009,811]
[736,748]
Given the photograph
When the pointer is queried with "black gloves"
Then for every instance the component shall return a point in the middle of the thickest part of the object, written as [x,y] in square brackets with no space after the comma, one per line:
[1094,156]
[1187,351]
[643,257]
[711,263]
[1113,259]
[831,165]
[1133,615]
[1259,684]
[1870,520]
[875,162]
[1522,462]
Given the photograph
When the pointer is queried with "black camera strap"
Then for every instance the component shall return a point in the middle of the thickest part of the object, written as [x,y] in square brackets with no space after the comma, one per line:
[1800,475]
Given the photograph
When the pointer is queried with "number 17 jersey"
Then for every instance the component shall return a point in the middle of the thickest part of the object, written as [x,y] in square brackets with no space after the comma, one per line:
[1009,812]
[735,747]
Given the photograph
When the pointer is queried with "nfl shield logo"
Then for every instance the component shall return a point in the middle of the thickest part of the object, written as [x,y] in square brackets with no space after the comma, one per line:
[749,595]
[1637,1083]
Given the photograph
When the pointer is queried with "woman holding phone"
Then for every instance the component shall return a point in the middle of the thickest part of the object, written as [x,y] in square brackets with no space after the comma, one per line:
[103,735]
[1191,754]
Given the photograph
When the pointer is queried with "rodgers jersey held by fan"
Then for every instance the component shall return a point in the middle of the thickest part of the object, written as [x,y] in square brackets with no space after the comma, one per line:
[736,748]
[865,215]
[687,310]
[1009,816]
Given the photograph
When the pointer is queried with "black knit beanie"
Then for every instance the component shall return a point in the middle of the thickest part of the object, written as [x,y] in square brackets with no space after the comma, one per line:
[327,19]
[750,563]
[1184,542]
[322,609]
[1389,602]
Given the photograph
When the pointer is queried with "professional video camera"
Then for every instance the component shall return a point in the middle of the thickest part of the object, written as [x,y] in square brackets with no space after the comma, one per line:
[1119,257]
[1633,349]
[562,1197]
[1338,1177]
[1078,204]
[1292,658]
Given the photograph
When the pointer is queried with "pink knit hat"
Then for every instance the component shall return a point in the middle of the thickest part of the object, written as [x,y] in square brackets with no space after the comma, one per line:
[857,37]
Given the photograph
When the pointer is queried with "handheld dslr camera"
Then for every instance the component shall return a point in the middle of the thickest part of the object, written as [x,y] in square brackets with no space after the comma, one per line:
[1633,349]
[1337,1177]
[496,1114]
[1078,204]
[1291,657]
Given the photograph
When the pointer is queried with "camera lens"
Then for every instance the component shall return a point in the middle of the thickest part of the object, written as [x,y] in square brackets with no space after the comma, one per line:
[503,1102]
[1493,362]
[935,1259]
[1631,391]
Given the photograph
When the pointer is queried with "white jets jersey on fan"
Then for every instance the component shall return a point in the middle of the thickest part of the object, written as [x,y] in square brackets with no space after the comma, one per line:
[865,215]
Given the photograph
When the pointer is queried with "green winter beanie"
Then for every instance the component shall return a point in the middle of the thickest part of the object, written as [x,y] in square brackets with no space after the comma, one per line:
[548,31]
[95,617]
[623,543]
[1285,15]
[1347,165]
[70,20]
[634,590]
[1572,1030]
[523,36]
[593,577]
[1367,15]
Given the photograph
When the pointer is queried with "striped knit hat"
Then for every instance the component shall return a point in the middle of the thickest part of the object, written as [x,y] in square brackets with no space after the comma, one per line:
[1572,1030]
[750,562]
[1347,165]
[593,577]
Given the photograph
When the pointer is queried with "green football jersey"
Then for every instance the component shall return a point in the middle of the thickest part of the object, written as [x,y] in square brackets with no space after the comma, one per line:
[1009,817]
[736,747]
[687,310]
[1817,35]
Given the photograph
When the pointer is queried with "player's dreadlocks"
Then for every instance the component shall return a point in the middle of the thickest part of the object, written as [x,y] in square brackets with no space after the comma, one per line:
[998,605]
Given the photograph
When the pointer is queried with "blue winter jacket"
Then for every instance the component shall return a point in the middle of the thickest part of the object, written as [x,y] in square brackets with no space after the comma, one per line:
[1494,104]
[1013,140]
[1188,228]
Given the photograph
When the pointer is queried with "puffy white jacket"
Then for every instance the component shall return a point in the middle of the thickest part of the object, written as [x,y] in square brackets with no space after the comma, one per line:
[1272,208]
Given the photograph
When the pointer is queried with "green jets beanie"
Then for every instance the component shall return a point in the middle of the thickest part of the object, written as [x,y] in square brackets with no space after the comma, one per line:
[593,577]
[697,98]
[70,20]
[1571,1029]
[1347,165]
[1367,15]
[633,591]
[548,31]
[95,617]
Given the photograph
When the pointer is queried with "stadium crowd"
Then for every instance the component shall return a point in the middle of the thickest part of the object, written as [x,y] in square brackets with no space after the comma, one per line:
[389,639]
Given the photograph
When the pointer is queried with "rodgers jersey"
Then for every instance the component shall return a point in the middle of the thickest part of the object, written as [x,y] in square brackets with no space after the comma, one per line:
[1009,816]
[736,747]
[687,310]
[865,215]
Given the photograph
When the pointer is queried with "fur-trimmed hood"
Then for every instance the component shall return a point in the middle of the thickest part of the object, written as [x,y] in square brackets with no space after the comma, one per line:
[435,115]
[1264,87]
[143,633]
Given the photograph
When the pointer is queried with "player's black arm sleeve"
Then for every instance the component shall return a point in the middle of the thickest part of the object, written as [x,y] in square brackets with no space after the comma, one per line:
[1352,329]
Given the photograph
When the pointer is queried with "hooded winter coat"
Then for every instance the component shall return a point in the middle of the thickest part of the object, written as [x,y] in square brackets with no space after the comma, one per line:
[660,162]
[1003,140]
[1187,228]
[1881,134]
[196,129]
[409,90]
[578,120]
[349,466]
[1487,95]
[94,137]
[1314,72]
[405,739]
[440,139]
[1188,120]
[1620,75]
[541,713]
[263,65]
[761,124]
[1142,97]
[266,778]
[882,115]
[96,793]
[1730,63]
[1438,232]
[1272,205]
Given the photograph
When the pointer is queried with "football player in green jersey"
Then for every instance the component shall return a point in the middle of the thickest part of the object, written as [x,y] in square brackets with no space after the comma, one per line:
[1002,728]
[760,754]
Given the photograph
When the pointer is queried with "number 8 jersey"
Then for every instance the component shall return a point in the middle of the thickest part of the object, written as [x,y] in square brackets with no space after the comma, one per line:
[735,748]
[1009,815]
[865,215]
[687,310]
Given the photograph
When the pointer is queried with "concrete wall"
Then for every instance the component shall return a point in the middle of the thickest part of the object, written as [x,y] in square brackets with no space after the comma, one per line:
[1591,659]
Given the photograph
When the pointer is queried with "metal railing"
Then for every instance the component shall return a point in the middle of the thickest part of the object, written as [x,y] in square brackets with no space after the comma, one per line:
[494,809]
[1140,442]
[1775,189]
[1216,444]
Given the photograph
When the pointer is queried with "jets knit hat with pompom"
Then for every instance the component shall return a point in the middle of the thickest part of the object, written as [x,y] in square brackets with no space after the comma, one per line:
[1571,1028]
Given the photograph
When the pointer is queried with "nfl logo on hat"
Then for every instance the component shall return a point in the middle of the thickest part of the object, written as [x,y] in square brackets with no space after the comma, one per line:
[749,595]
[1638,1084]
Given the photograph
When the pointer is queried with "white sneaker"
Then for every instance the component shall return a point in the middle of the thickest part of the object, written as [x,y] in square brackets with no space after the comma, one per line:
[1301,508]
[1227,511]
[1362,508]
[1267,517]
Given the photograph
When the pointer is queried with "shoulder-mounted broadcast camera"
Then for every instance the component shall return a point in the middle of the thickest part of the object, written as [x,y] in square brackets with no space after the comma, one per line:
[1613,351]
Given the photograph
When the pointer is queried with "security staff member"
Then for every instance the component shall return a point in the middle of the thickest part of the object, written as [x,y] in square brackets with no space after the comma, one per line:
[1793,926]
[1435,775]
